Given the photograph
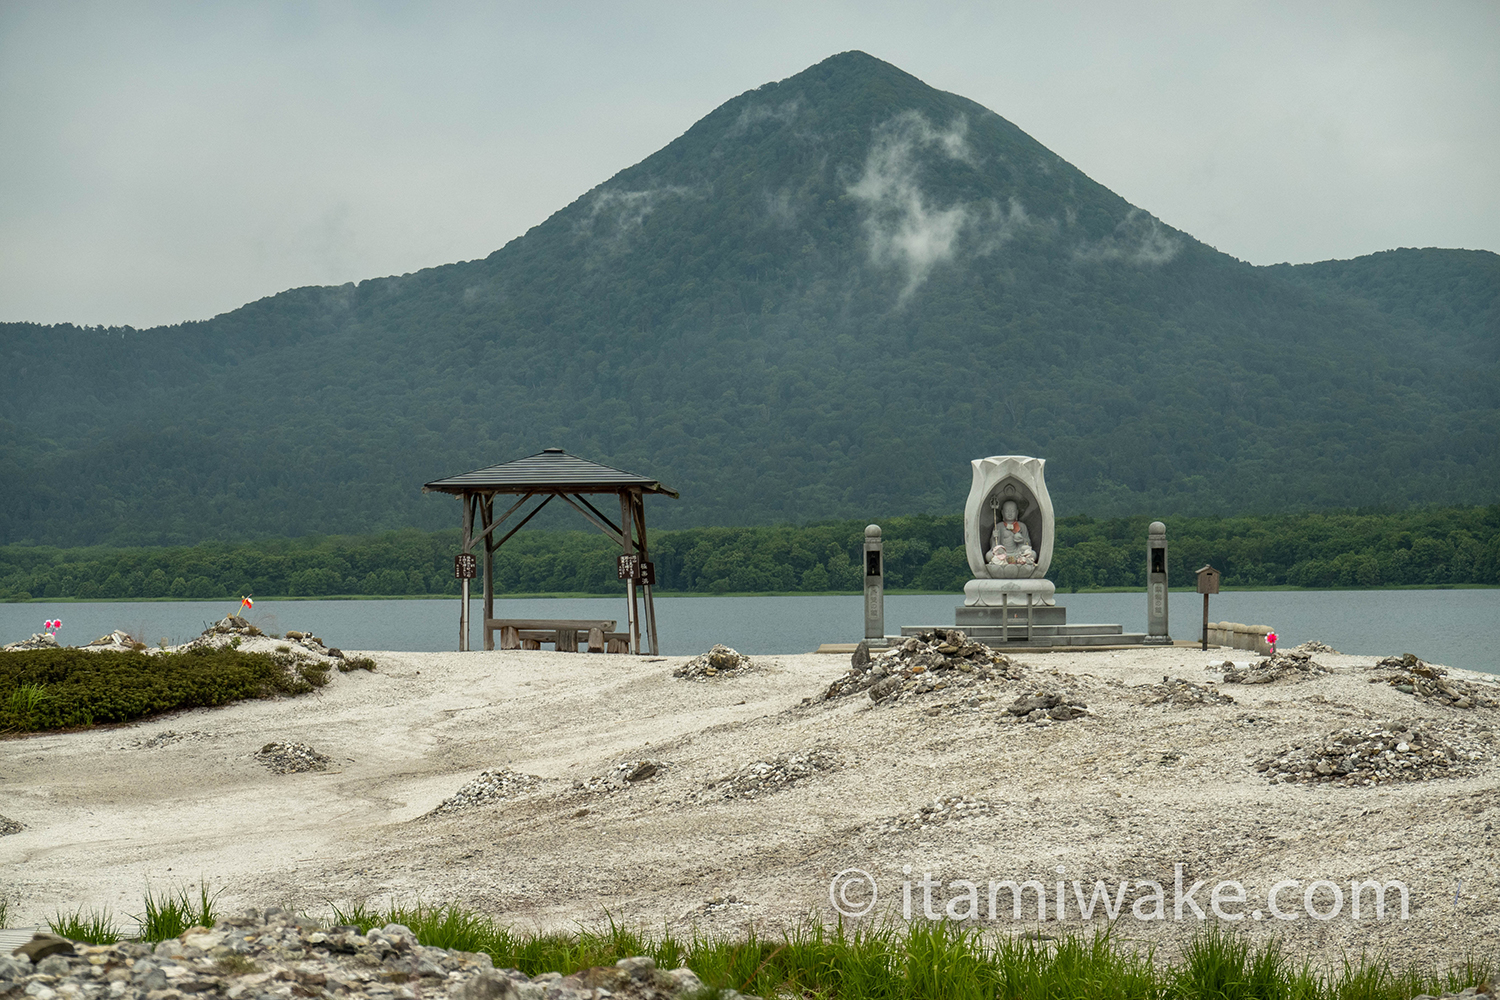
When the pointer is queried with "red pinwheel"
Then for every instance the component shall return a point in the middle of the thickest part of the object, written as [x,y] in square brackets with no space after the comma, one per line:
[52,625]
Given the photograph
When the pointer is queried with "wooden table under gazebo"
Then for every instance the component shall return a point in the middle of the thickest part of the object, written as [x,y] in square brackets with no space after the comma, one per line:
[549,474]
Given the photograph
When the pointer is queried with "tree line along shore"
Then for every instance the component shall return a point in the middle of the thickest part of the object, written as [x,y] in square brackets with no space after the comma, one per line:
[1428,546]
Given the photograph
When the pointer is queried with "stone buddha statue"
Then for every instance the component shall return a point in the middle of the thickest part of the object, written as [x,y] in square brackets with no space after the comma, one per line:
[1010,539]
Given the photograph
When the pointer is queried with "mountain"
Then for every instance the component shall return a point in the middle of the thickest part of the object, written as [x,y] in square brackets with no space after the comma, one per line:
[821,301]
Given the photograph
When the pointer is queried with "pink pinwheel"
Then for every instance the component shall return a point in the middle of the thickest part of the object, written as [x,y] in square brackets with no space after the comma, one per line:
[53,625]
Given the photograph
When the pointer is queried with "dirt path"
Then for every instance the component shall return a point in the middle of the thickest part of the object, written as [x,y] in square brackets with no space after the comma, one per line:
[1127,792]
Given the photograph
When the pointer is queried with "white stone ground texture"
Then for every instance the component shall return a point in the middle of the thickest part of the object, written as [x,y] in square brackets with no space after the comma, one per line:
[1147,768]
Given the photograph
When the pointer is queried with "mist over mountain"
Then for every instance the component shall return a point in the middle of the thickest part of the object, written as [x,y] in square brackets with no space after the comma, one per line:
[821,301]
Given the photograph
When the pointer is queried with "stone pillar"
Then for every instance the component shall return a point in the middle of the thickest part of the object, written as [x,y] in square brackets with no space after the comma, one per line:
[874,586]
[1156,586]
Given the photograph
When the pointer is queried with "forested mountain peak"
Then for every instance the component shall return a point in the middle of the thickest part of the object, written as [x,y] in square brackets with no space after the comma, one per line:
[822,300]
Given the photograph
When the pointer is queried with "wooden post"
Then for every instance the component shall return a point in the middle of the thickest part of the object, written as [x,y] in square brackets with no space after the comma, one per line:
[487,518]
[463,609]
[627,531]
[640,506]
[1205,621]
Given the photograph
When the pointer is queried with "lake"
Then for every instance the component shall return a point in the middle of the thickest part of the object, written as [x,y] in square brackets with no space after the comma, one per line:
[1459,628]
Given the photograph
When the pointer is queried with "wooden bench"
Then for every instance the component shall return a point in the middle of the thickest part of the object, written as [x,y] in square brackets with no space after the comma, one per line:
[565,634]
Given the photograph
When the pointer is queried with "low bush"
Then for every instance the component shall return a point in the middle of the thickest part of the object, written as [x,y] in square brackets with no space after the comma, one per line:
[42,689]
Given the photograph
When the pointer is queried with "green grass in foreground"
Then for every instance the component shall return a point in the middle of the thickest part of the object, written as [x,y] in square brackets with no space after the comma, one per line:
[43,689]
[931,962]
[924,961]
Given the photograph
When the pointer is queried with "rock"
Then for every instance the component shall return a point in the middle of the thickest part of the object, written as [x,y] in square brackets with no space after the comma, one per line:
[626,774]
[8,826]
[43,945]
[779,773]
[276,955]
[490,786]
[1179,693]
[930,662]
[489,985]
[717,662]
[1293,664]
[1388,752]
[1429,683]
[292,758]
[38,640]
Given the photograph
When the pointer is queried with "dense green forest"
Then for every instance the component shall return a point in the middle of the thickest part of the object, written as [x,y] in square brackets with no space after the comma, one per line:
[1429,546]
[821,301]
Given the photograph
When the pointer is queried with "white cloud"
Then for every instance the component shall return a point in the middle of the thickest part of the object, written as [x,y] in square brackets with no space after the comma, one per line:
[904,230]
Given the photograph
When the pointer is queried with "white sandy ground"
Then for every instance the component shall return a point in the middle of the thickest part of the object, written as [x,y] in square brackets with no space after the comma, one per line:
[106,818]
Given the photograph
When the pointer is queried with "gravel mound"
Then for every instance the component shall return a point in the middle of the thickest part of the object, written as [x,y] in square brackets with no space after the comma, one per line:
[292,758]
[933,661]
[779,773]
[490,786]
[721,661]
[1292,664]
[8,826]
[1314,646]
[943,810]
[623,775]
[1179,693]
[276,954]
[170,736]
[1426,682]
[1394,751]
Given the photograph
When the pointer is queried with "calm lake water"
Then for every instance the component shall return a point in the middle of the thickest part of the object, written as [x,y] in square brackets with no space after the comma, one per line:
[1459,628]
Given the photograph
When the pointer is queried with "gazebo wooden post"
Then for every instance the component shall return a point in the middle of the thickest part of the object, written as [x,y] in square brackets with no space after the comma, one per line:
[640,523]
[487,521]
[627,532]
[463,608]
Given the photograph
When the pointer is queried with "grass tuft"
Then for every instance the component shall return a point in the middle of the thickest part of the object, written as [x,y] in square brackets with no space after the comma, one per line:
[95,928]
[167,916]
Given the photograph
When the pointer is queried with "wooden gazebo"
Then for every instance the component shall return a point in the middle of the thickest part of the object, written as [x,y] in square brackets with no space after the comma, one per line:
[549,474]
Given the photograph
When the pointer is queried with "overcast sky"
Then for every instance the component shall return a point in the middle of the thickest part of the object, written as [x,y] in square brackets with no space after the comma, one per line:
[161,162]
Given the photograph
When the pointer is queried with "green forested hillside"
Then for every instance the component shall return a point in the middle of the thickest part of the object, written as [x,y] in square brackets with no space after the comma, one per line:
[821,301]
[1425,546]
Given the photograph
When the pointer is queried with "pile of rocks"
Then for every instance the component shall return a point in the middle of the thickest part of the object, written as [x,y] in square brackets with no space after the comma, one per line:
[943,810]
[720,661]
[1045,707]
[292,758]
[779,773]
[8,826]
[118,639]
[169,736]
[490,786]
[932,661]
[1314,646]
[1289,664]
[1393,751]
[1426,682]
[1180,693]
[38,640]
[623,775]
[274,954]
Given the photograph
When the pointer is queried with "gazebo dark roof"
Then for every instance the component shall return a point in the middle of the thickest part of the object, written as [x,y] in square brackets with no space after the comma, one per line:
[550,469]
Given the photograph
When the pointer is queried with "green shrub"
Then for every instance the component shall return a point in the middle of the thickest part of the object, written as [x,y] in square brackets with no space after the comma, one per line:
[42,689]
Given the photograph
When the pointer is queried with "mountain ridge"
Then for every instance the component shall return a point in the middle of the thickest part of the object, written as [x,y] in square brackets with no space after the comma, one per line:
[821,300]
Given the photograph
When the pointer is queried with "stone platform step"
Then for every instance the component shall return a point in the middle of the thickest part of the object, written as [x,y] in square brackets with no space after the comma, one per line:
[973,616]
[1042,636]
